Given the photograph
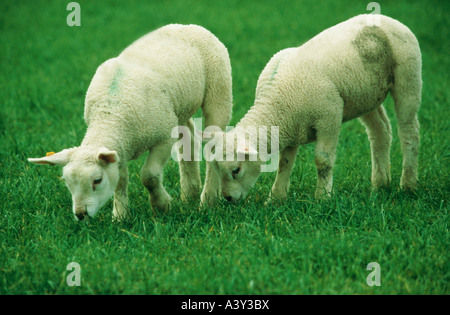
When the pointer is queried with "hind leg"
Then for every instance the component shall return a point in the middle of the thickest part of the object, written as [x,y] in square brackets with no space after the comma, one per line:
[189,169]
[408,131]
[407,96]
[380,136]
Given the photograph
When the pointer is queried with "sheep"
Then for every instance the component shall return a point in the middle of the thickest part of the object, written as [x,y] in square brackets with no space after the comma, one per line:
[132,104]
[343,73]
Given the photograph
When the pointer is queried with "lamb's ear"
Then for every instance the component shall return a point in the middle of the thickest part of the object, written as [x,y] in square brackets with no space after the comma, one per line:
[60,158]
[107,156]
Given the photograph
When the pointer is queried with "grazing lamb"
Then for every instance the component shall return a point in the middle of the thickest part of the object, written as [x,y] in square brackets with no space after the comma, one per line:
[343,73]
[133,103]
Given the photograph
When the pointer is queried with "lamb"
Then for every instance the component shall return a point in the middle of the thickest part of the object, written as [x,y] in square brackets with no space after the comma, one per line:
[131,106]
[343,73]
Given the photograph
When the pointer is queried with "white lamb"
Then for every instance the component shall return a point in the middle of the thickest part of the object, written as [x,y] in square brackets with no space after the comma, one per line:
[133,103]
[343,73]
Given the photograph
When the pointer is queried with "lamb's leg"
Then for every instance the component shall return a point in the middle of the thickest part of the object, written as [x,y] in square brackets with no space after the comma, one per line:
[212,189]
[189,172]
[120,210]
[380,136]
[327,132]
[280,187]
[152,175]
[217,106]
[407,96]
[408,131]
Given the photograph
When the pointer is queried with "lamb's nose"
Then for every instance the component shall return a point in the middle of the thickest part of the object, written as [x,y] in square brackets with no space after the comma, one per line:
[80,215]
[228,198]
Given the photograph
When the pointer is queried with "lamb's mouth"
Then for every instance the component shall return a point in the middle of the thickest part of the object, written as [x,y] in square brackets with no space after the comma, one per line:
[83,214]
[230,199]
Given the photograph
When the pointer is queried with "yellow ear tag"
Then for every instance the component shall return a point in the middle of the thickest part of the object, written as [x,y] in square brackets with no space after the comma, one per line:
[49,153]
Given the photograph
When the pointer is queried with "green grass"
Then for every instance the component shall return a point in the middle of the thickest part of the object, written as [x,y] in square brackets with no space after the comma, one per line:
[299,247]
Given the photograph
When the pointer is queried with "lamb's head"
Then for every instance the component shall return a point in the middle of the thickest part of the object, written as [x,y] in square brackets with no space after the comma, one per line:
[90,173]
[237,164]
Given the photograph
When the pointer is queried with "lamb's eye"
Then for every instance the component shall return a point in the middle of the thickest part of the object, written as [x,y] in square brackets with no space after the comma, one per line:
[97,181]
[235,171]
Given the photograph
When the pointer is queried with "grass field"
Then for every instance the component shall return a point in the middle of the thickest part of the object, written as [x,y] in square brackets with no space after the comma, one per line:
[299,247]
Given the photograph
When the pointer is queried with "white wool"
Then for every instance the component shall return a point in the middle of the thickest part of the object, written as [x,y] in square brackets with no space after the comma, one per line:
[155,84]
[345,72]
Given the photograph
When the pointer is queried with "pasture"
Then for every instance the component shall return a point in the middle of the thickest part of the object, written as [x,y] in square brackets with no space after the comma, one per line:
[301,246]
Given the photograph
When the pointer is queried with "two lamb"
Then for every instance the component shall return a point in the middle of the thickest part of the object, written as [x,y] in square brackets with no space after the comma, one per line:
[157,83]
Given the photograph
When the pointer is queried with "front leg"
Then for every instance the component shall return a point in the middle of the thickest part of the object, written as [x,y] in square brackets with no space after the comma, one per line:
[120,210]
[280,187]
[211,191]
[152,175]
[190,180]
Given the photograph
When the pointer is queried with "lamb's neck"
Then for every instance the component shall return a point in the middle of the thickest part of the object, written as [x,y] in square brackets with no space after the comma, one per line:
[108,137]
[267,127]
